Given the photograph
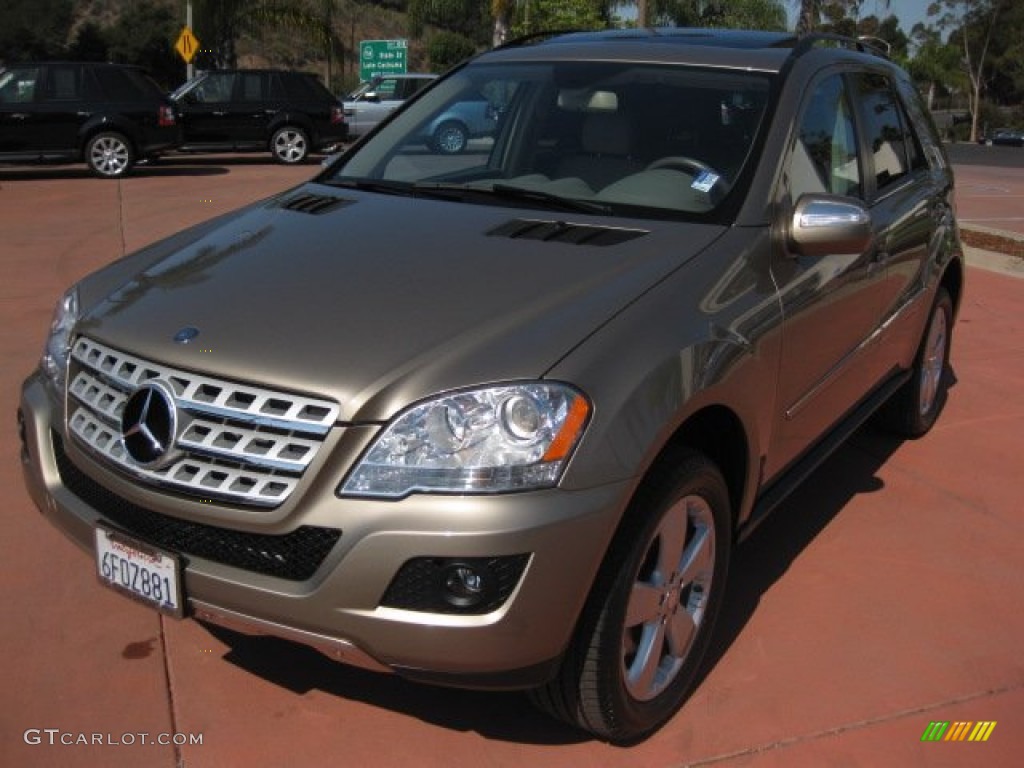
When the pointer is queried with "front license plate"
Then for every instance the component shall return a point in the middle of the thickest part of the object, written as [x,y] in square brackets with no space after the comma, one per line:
[139,571]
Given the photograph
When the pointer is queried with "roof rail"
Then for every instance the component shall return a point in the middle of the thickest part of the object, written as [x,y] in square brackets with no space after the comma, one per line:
[871,45]
[535,37]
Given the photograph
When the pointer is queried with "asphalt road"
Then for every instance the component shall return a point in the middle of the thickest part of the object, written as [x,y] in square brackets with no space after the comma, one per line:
[979,154]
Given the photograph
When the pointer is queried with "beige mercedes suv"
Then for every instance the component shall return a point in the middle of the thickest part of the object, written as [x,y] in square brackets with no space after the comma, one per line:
[497,418]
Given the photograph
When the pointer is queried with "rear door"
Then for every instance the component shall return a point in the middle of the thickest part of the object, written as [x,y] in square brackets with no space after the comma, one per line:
[251,110]
[60,110]
[910,205]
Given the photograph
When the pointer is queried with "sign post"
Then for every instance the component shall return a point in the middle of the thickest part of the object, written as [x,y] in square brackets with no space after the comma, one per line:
[187,47]
[382,57]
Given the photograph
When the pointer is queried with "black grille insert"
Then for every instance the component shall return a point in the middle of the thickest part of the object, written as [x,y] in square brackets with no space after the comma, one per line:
[294,556]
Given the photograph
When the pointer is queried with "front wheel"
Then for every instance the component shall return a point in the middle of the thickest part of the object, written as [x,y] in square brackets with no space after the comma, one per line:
[289,145]
[649,619]
[109,155]
[913,409]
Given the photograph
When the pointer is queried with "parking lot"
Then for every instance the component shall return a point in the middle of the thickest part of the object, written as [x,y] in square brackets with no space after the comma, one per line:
[885,595]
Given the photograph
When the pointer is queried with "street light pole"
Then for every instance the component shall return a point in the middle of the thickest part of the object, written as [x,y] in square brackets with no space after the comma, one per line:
[190,69]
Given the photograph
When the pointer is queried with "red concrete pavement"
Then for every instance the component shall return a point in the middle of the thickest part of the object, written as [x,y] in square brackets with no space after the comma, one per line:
[886,594]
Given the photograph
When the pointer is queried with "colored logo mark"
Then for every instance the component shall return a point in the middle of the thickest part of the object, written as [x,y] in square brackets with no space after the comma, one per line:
[959,731]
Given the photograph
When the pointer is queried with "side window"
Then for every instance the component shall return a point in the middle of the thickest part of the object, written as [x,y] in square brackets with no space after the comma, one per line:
[63,82]
[387,89]
[251,86]
[215,89]
[824,158]
[118,84]
[883,130]
[18,85]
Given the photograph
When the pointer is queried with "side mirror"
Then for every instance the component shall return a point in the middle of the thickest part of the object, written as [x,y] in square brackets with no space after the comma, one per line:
[823,224]
[371,96]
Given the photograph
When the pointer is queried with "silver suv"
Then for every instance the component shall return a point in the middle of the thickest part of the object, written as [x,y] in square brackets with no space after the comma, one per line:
[375,99]
[497,418]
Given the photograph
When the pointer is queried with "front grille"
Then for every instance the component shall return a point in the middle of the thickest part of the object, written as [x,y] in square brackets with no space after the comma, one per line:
[294,556]
[240,443]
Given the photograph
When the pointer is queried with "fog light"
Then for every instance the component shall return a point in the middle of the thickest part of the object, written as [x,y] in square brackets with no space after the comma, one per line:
[464,585]
[455,585]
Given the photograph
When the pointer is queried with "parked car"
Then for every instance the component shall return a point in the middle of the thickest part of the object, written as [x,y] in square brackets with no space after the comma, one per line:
[451,131]
[1005,138]
[497,419]
[106,115]
[288,114]
[377,98]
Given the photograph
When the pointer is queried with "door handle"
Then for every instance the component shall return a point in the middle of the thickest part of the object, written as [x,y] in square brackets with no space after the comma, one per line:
[219,114]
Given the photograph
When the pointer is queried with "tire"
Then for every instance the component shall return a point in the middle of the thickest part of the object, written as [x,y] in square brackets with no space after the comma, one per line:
[450,138]
[650,616]
[915,406]
[289,145]
[109,155]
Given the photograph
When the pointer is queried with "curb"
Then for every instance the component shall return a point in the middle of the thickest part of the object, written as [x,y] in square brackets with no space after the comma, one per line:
[994,262]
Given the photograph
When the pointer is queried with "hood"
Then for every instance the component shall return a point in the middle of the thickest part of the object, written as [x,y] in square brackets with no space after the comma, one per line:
[379,300]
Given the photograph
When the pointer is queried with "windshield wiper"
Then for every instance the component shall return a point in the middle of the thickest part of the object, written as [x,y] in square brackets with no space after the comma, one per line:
[373,185]
[511,192]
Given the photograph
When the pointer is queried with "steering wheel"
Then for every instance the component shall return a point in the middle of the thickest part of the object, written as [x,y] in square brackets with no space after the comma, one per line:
[682,163]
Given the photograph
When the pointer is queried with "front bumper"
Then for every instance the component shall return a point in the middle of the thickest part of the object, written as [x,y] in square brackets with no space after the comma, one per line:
[338,609]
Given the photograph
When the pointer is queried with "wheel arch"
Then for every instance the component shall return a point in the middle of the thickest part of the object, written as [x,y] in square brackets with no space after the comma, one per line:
[717,432]
[953,281]
[103,123]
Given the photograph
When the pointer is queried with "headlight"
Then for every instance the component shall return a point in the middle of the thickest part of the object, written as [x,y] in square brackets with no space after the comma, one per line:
[505,438]
[58,346]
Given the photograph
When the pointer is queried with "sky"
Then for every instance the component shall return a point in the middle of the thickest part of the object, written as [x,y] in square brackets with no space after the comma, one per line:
[909,12]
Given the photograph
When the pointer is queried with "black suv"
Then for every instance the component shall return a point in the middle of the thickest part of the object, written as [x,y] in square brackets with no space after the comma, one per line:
[108,115]
[289,113]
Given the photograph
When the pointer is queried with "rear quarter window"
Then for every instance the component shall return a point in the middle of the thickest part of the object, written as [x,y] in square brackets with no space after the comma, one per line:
[124,84]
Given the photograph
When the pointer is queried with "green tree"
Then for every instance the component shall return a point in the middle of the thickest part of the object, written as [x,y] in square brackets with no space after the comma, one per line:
[34,29]
[446,49]
[972,23]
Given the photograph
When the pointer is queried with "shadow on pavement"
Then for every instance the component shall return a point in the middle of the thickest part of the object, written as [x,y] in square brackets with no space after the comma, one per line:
[757,564]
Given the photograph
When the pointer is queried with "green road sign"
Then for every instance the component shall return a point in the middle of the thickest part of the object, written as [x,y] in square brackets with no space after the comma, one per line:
[382,57]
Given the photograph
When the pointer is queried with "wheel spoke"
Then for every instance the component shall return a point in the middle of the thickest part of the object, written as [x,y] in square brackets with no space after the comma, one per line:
[679,633]
[644,604]
[672,535]
[698,555]
[648,657]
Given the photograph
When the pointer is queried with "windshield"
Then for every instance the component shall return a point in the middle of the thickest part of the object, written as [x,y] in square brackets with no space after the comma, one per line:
[618,137]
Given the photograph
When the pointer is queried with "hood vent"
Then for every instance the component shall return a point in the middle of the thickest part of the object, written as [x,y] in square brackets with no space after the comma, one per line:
[315,204]
[564,232]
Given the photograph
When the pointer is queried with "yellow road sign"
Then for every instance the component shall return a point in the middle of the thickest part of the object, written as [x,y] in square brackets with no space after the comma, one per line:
[187,45]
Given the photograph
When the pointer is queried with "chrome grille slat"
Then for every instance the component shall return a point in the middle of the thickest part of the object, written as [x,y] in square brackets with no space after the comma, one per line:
[242,443]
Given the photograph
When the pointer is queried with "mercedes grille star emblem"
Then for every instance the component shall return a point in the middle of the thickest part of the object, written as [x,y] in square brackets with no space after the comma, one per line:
[149,423]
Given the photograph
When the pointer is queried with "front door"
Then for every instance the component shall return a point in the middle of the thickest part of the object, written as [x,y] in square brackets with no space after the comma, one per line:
[832,303]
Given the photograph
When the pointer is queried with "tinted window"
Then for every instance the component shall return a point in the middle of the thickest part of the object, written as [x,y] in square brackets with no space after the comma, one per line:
[883,129]
[251,86]
[64,82]
[119,85]
[18,85]
[824,158]
[215,89]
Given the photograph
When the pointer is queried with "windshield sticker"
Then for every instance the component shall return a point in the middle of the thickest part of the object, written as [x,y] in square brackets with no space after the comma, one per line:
[705,181]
